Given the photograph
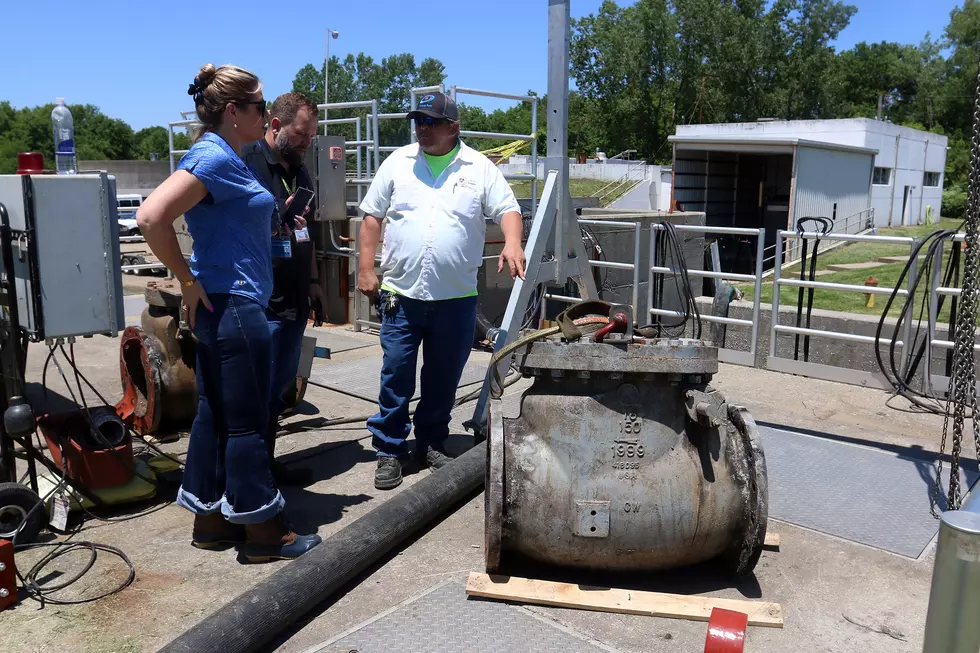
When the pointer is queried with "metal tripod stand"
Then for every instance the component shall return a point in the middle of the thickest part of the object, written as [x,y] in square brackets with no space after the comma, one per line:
[554,249]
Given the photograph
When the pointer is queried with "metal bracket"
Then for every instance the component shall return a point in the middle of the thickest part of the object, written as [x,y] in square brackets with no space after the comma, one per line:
[539,270]
[704,409]
[593,519]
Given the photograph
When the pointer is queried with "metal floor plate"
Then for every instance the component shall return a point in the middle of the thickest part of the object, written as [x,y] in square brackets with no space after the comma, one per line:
[861,494]
[336,341]
[461,625]
[362,377]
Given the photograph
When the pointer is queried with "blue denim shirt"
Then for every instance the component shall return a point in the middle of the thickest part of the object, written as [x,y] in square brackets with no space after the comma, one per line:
[231,226]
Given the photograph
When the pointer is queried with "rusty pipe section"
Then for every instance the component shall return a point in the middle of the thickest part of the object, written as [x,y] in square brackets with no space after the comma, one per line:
[624,458]
[157,365]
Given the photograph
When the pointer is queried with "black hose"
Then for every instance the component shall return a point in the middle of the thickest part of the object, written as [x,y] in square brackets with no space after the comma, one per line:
[670,245]
[799,301]
[824,227]
[933,243]
[258,616]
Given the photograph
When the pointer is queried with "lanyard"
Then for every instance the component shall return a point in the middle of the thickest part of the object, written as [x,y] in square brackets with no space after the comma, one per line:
[286,186]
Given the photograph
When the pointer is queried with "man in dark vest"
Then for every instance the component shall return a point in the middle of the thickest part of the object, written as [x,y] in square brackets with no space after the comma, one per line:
[278,160]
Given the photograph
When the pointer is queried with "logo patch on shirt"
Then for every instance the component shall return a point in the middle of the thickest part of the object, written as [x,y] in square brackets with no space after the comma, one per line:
[463,182]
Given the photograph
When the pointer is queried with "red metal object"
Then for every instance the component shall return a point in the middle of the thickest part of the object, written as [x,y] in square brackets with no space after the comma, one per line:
[141,381]
[93,469]
[615,324]
[726,631]
[8,575]
[30,163]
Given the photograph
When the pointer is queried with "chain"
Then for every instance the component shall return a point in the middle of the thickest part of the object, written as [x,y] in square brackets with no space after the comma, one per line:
[963,384]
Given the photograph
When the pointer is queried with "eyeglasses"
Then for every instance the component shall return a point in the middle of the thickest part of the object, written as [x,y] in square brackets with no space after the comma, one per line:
[430,121]
[259,103]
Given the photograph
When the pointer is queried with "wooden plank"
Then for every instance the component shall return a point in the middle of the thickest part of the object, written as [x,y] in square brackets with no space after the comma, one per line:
[772,541]
[602,599]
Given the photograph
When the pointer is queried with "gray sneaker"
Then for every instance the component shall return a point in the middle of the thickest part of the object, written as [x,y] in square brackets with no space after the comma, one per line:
[388,475]
[436,458]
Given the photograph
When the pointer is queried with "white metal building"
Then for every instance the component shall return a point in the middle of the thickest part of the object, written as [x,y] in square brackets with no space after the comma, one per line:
[750,180]
[907,176]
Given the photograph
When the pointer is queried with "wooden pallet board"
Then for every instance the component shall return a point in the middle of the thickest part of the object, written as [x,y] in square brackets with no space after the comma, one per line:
[604,599]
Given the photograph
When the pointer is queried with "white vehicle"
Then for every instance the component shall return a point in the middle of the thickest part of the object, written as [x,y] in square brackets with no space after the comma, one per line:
[126,206]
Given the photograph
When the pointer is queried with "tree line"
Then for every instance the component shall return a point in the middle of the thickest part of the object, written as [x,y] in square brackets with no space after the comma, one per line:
[641,70]
[97,136]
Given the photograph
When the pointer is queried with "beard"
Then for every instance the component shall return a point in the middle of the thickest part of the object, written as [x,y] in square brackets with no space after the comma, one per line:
[290,154]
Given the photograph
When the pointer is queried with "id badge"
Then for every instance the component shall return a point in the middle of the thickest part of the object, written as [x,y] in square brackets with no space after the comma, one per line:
[282,248]
[302,235]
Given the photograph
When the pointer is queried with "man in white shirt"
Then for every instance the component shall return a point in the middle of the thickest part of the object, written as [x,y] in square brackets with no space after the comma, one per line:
[436,195]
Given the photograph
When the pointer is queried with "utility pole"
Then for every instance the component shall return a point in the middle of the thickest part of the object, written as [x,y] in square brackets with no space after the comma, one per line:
[326,73]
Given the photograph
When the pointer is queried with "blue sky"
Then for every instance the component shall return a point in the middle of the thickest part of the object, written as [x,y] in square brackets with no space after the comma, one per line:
[135,59]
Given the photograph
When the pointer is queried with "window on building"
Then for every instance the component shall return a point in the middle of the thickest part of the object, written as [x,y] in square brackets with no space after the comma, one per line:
[882,176]
[930,179]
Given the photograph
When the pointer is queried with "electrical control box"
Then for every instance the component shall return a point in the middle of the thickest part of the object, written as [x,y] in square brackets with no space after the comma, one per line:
[327,162]
[64,237]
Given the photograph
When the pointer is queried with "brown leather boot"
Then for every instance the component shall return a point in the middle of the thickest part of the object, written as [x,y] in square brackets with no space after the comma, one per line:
[215,532]
[274,540]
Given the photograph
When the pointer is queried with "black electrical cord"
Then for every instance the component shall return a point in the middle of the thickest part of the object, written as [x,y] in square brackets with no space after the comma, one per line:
[670,244]
[950,280]
[901,383]
[42,594]
[103,441]
[96,433]
[131,432]
[824,227]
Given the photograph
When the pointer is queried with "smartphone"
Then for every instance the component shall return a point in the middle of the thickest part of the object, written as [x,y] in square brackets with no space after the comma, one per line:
[297,207]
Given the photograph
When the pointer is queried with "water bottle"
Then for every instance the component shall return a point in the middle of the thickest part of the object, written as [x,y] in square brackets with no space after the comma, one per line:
[64,139]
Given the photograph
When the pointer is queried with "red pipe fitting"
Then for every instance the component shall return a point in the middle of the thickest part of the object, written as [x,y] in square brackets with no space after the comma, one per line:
[617,323]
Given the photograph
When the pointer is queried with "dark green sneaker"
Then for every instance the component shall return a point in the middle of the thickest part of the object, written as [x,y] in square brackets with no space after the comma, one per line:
[435,458]
[388,475]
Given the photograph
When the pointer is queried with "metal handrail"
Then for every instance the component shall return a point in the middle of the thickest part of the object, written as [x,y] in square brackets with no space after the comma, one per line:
[616,185]
[869,224]
[778,282]
[617,156]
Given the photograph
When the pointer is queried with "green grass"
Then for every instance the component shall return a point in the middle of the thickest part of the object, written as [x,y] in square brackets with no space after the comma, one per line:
[578,188]
[860,252]
[848,302]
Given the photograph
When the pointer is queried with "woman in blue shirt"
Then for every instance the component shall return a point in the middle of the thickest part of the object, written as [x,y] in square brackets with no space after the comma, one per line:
[228,483]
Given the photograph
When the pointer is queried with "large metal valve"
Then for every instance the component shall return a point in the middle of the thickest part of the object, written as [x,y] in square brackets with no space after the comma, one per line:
[624,458]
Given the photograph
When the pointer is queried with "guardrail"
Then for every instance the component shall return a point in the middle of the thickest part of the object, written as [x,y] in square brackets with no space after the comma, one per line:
[939,383]
[724,355]
[805,368]
[852,224]
[626,182]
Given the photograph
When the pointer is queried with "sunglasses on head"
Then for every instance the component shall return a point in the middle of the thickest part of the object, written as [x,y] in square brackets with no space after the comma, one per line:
[259,103]
[430,121]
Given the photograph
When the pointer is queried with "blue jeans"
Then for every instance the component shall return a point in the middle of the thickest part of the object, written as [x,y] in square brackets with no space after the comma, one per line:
[445,330]
[227,467]
[288,345]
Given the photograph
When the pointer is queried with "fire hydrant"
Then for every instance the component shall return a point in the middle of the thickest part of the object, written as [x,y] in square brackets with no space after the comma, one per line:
[870,296]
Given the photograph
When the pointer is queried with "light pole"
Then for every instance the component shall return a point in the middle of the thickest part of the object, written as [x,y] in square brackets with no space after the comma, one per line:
[326,69]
